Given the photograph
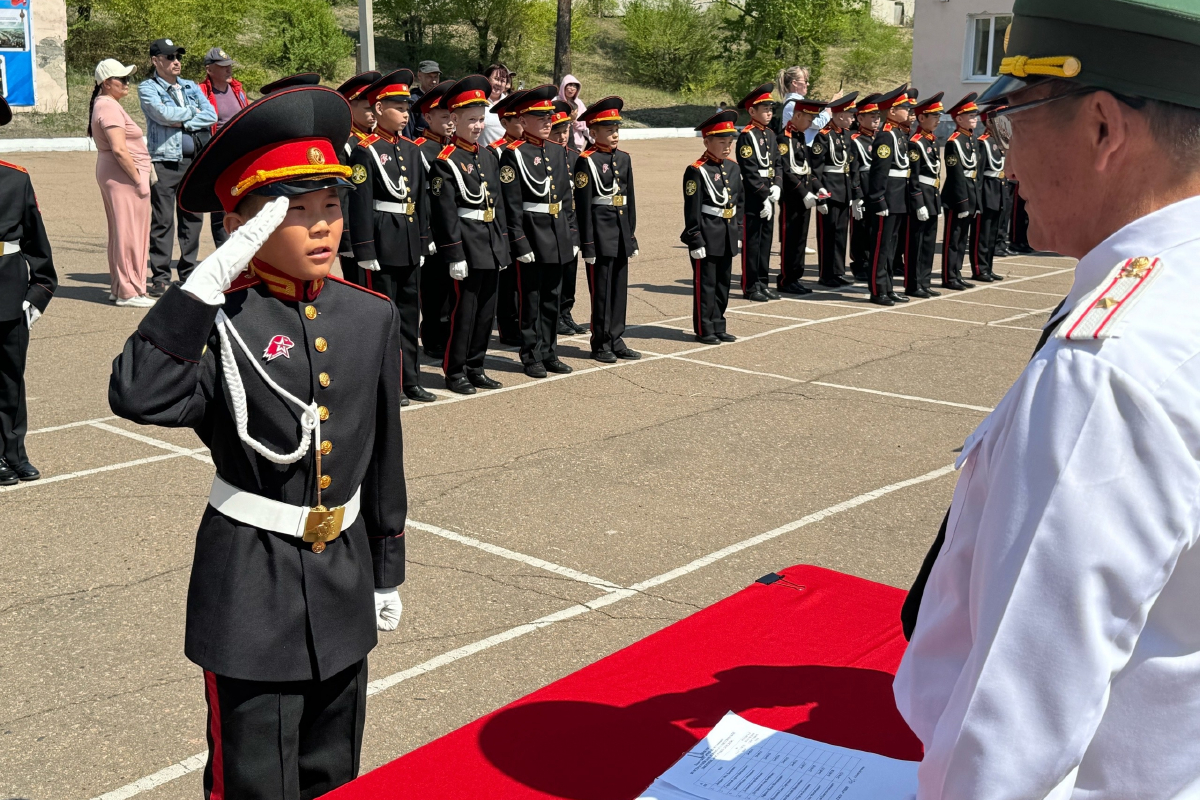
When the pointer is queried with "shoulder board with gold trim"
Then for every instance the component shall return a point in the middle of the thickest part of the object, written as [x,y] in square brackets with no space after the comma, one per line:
[699,162]
[360,288]
[586,153]
[420,140]
[17,167]
[855,135]
[916,137]
[953,136]
[369,140]
[1097,315]
[446,151]
[748,128]
[498,143]
[243,281]
[827,130]
[983,137]
[515,144]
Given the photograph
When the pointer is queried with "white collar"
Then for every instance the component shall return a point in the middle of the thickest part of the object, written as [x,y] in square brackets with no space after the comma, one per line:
[1146,236]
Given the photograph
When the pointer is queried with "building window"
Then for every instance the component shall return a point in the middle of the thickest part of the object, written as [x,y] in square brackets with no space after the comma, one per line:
[898,14]
[985,46]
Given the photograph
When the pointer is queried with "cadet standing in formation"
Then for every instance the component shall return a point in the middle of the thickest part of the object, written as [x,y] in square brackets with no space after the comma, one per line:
[713,208]
[435,276]
[508,298]
[961,192]
[800,195]
[362,122]
[924,182]
[758,161]
[835,171]
[985,233]
[862,226]
[606,212]
[887,192]
[560,134]
[27,283]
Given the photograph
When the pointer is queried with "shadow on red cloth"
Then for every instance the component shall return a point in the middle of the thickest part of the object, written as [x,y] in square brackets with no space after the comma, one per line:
[593,751]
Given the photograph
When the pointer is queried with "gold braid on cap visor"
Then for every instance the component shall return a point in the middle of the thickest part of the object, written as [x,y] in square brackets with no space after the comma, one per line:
[1054,66]
[309,170]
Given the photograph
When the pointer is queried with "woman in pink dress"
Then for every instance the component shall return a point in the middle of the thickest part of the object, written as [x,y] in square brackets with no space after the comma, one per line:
[123,172]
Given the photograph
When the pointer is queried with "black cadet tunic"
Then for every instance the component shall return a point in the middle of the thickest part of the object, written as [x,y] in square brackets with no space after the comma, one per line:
[388,170]
[263,606]
[28,274]
[720,235]
[885,191]
[536,171]
[483,245]
[605,229]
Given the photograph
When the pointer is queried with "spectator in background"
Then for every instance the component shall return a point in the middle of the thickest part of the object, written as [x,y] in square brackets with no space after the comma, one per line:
[792,83]
[123,172]
[228,98]
[568,92]
[497,75]
[429,75]
[178,119]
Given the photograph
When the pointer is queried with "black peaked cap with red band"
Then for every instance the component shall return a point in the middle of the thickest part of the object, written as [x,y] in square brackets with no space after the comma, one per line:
[931,106]
[867,105]
[431,99]
[843,103]
[603,112]
[896,97]
[965,106]
[538,100]
[5,112]
[807,106]
[291,81]
[722,123]
[761,94]
[469,91]
[396,85]
[504,106]
[279,146]
[562,113]
[353,88]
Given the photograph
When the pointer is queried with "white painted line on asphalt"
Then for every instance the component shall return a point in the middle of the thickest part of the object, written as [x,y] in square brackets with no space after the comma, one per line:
[984,409]
[1059,295]
[1016,317]
[97,470]
[769,316]
[79,424]
[159,443]
[196,762]
[989,305]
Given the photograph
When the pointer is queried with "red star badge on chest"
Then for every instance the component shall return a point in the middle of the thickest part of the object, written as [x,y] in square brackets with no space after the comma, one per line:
[278,346]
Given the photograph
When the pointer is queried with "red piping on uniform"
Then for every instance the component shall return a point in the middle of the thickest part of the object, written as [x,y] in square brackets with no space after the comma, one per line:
[370,282]
[699,325]
[214,731]
[875,260]
[450,338]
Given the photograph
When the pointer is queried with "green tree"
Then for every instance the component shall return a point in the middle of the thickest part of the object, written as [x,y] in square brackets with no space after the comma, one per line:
[874,50]
[670,44]
[300,36]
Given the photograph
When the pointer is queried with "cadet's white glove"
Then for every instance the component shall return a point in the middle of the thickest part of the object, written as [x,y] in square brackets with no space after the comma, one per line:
[810,200]
[766,211]
[923,214]
[822,209]
[31,313]
[388,609]
[698,253]
[421,261]
[526,259]
[635,254]
[574,252]
[215,274]
[775,192]
[433,248]
[857,209]
[593,260]
[883,213]
[458,270]
[372,265]
[964,215]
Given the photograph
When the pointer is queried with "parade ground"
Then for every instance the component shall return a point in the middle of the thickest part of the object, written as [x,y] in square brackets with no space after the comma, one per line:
[551,523]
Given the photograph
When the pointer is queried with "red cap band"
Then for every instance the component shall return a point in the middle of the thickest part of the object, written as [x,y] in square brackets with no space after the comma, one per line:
[391,90]
[300,158]
[474,97]
[720,127]
[608,115]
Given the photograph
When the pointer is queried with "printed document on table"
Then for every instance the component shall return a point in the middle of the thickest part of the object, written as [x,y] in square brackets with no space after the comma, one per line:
[741,760]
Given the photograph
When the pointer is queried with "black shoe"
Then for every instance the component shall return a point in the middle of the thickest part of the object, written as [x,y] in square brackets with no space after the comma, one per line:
[28,472]
[481,380]
[435,353]
[897,298]
[565,328]
[535,370]
[771,293]
[157,289]
[994,276]
[795,287]
[708,338]
[843,280]
[956,286]
[8,475]
[919,293]
[758,296]
[605,356]
[882,300]
[625,354]
[420,394]
[576,328]
[511,341]
[982,277]
[460,385]
[725,337]
[831,283]
[1021,250]
[557,367]
[404,401]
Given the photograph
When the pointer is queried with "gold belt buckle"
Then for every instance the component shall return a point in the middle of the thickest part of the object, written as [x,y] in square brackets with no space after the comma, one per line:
[846,169]
[554,209]
[323,525]
[410,208]
[489,214]
[771,172]
[618,199]
[727,213]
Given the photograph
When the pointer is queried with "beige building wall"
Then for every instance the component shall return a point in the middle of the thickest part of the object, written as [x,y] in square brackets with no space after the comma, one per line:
[944,38]
[49,29]
[894,12]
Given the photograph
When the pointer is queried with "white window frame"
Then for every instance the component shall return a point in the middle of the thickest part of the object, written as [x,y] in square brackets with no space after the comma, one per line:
[969,47]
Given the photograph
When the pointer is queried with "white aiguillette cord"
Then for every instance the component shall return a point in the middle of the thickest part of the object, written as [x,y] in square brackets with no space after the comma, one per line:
[310,418]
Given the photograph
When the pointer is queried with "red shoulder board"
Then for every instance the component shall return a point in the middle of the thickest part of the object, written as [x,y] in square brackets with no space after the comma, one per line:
[982,137]
[498,143]
[369,140]
[360,288]
[855,135]
[826,130]
[699,162]
[243,281]
[588,152]
[748,127]
[17,167]
[420,140]
[446,151]
[953,136]
[515,144]
[916,137]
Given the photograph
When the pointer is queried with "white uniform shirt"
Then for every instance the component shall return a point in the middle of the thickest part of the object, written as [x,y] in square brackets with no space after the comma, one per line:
[1057,650]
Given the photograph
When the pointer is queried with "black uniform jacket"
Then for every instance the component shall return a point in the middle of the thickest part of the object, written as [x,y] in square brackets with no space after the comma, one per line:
[606,228]
[533,171]
[758,160]
[991,160]
[29,274]
[862,144]
[833,163]
[463,175]
[923,184]
[962,175]
[717,185]
[346,246]
[886,191]
[795,167]
[388,170]
[263,606]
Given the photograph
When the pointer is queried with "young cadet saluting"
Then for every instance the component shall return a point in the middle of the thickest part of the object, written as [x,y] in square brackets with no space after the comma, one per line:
[435,277]
[292,379]
[362,122]
[862,227]
[758,161]
[925,204]
[834,169]
[961,193]
[560,133]
[887,196]
[538,202]
[799,197]
[712,225]
[607,215]
[508,298]
[389,216]
[471,231]
[986,232]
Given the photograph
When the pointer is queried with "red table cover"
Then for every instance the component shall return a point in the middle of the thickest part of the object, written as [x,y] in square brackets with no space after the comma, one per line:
[813,654]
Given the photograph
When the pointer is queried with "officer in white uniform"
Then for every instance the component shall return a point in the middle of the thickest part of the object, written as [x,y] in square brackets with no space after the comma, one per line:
[1056,653]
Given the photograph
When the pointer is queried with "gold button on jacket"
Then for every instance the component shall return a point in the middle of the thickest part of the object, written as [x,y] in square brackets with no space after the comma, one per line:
[321,344]
[310,312]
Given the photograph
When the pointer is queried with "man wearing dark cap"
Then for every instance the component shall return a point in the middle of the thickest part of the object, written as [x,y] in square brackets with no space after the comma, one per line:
[924,202]
[538,203]
[27,284]
[227,96]
[508,298]
[436,291]
[429,75]
[961,192]
[758,162]
[799,196]
[178,119]
[389,216]
[1057,649]
[362,122]
[887,192]
[862,226]
[606,209]
[984,235]
[834,170]
[292,378]
[713,208]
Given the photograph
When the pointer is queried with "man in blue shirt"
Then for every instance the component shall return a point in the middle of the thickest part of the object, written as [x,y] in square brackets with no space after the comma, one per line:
[178,122]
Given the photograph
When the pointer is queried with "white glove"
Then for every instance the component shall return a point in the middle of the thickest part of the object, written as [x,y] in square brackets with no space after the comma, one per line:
[635,253]
[526,259]
[215,274]
[766,211]
[857,209]
[810,200]
[775,192]
[433,248]
[923,214]
[31,313]
[593,260]
[698,253]
[822,209]
[883,213]
[372,265]
[458,270]
[388,609]
[964,215]
[574,252]
[421,261]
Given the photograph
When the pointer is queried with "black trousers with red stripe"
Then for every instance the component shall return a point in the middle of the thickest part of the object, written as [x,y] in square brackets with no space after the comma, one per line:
[954,246]
[757,234]
[984,235]
[436,300]
[471,313]
[794,221]
[283,741]
[833,230]
[888,232]
[710,293]
[920,247]
[566,295]
[402,285]
[539,283]
[508,304]
[608,282]
[862,243]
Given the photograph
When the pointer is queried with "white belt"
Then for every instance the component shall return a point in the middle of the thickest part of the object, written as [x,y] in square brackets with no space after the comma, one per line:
[898,173]
[542,208]
[476,213]
[614,200]
[270,515]
[766,173]
[9,248]
[713,211]
[842,170]
[970,174]
[993,173]
[928,181]
[409,208]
